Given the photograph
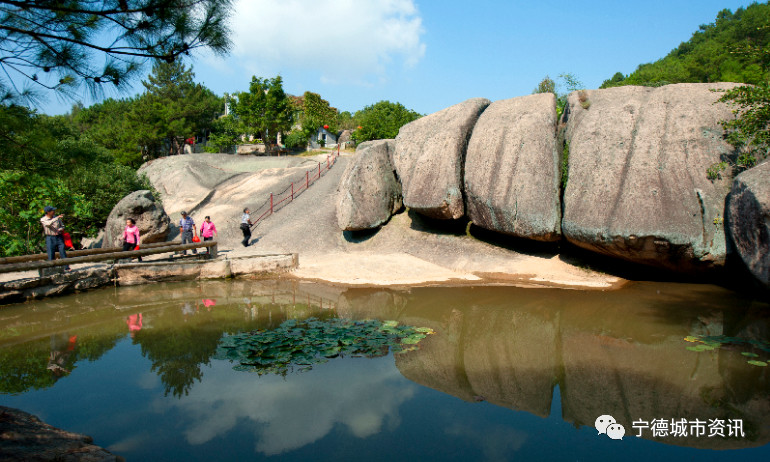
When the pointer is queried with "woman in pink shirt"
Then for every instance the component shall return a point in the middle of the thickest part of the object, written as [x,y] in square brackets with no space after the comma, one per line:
[208,231]
[131,236]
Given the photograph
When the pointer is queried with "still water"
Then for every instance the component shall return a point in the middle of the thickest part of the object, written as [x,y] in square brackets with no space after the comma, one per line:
[510,374]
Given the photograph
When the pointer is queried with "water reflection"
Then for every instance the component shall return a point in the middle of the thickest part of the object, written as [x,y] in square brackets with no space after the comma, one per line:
[286,415]
[620,353]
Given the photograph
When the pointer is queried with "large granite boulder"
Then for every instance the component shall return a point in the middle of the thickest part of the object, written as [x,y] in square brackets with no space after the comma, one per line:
[429,159]
[748,220]
[512,169]
[369,191]
[637,186]
[150,217]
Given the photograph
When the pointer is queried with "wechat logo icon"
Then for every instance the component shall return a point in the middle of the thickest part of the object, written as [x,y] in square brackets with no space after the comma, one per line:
[606,424]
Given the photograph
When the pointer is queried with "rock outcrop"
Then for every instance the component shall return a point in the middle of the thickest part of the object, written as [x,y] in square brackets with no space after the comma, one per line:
[748,220]
[429,158]
[24,437]
[637,186]
[369,191]
[151,219]
[512,169]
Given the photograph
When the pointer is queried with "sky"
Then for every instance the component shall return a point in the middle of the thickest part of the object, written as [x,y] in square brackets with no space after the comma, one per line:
[429,55]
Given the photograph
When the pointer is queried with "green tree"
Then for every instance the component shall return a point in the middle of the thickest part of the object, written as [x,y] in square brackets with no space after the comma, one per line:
[716,52]
[46,161]
[107,124]
[59,45]
[382,121]
[316,113]
[750,130]
[172,109]
[263,111]
[547,85]
[345,121]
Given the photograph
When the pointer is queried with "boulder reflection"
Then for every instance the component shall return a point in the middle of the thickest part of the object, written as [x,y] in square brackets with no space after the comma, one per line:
[619,353]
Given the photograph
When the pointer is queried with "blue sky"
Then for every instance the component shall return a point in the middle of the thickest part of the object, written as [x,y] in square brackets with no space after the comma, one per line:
[429,55]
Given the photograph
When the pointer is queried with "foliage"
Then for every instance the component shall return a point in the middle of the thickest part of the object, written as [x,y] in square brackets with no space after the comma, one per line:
[172,108]
[345,121]
[312,341]
[263,111]
[717,52]
[59,45]
[295,139]
[45,161]
[715,342]
[547,85]
[565,165]
[107,124]
[382,121]
[316,113]
[225,134]
[749,130]
[568,81]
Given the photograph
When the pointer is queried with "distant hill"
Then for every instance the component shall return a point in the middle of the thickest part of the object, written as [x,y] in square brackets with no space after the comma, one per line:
[731,49]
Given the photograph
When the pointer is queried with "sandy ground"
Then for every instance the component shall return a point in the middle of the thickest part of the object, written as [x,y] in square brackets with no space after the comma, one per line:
[408,250]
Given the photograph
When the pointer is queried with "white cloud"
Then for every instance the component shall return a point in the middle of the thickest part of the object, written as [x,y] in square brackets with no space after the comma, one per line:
[343,40]
[362,395]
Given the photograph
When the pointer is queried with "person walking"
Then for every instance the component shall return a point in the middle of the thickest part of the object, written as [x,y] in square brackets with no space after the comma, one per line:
[208,231]
[246,226]
[131,236]
[53,229]
[187,227]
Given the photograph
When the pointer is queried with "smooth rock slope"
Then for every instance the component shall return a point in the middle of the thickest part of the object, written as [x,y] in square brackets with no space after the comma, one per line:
[429,158]
[512,169]
[637,186]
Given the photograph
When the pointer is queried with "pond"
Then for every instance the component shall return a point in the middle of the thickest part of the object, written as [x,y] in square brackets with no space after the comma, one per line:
[509,373]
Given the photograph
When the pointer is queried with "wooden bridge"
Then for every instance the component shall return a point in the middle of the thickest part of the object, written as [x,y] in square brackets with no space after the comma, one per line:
[40,261]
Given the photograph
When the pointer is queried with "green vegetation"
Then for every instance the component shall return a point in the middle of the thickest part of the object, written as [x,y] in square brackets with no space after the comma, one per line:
[717,52]
[60,46]
[568,81]
[715,342]
[260,113]
[749,130]
[46,161]
[565,165]
[731,49]
[172,109]
[382,121]
[302,344]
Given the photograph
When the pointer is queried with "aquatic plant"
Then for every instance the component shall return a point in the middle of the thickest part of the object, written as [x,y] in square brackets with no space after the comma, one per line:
[713,342]
[302,344]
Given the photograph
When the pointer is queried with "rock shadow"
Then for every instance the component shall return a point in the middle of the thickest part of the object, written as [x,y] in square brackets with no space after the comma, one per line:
[357,237]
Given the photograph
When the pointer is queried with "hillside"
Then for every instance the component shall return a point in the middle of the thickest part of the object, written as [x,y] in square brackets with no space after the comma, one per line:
[728,50]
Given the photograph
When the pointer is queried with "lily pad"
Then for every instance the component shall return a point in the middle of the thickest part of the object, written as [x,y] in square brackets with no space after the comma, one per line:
[754,362]
[750,355]
[300,344]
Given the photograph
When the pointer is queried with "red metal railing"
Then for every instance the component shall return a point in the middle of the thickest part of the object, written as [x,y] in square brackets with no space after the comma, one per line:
[278,201]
